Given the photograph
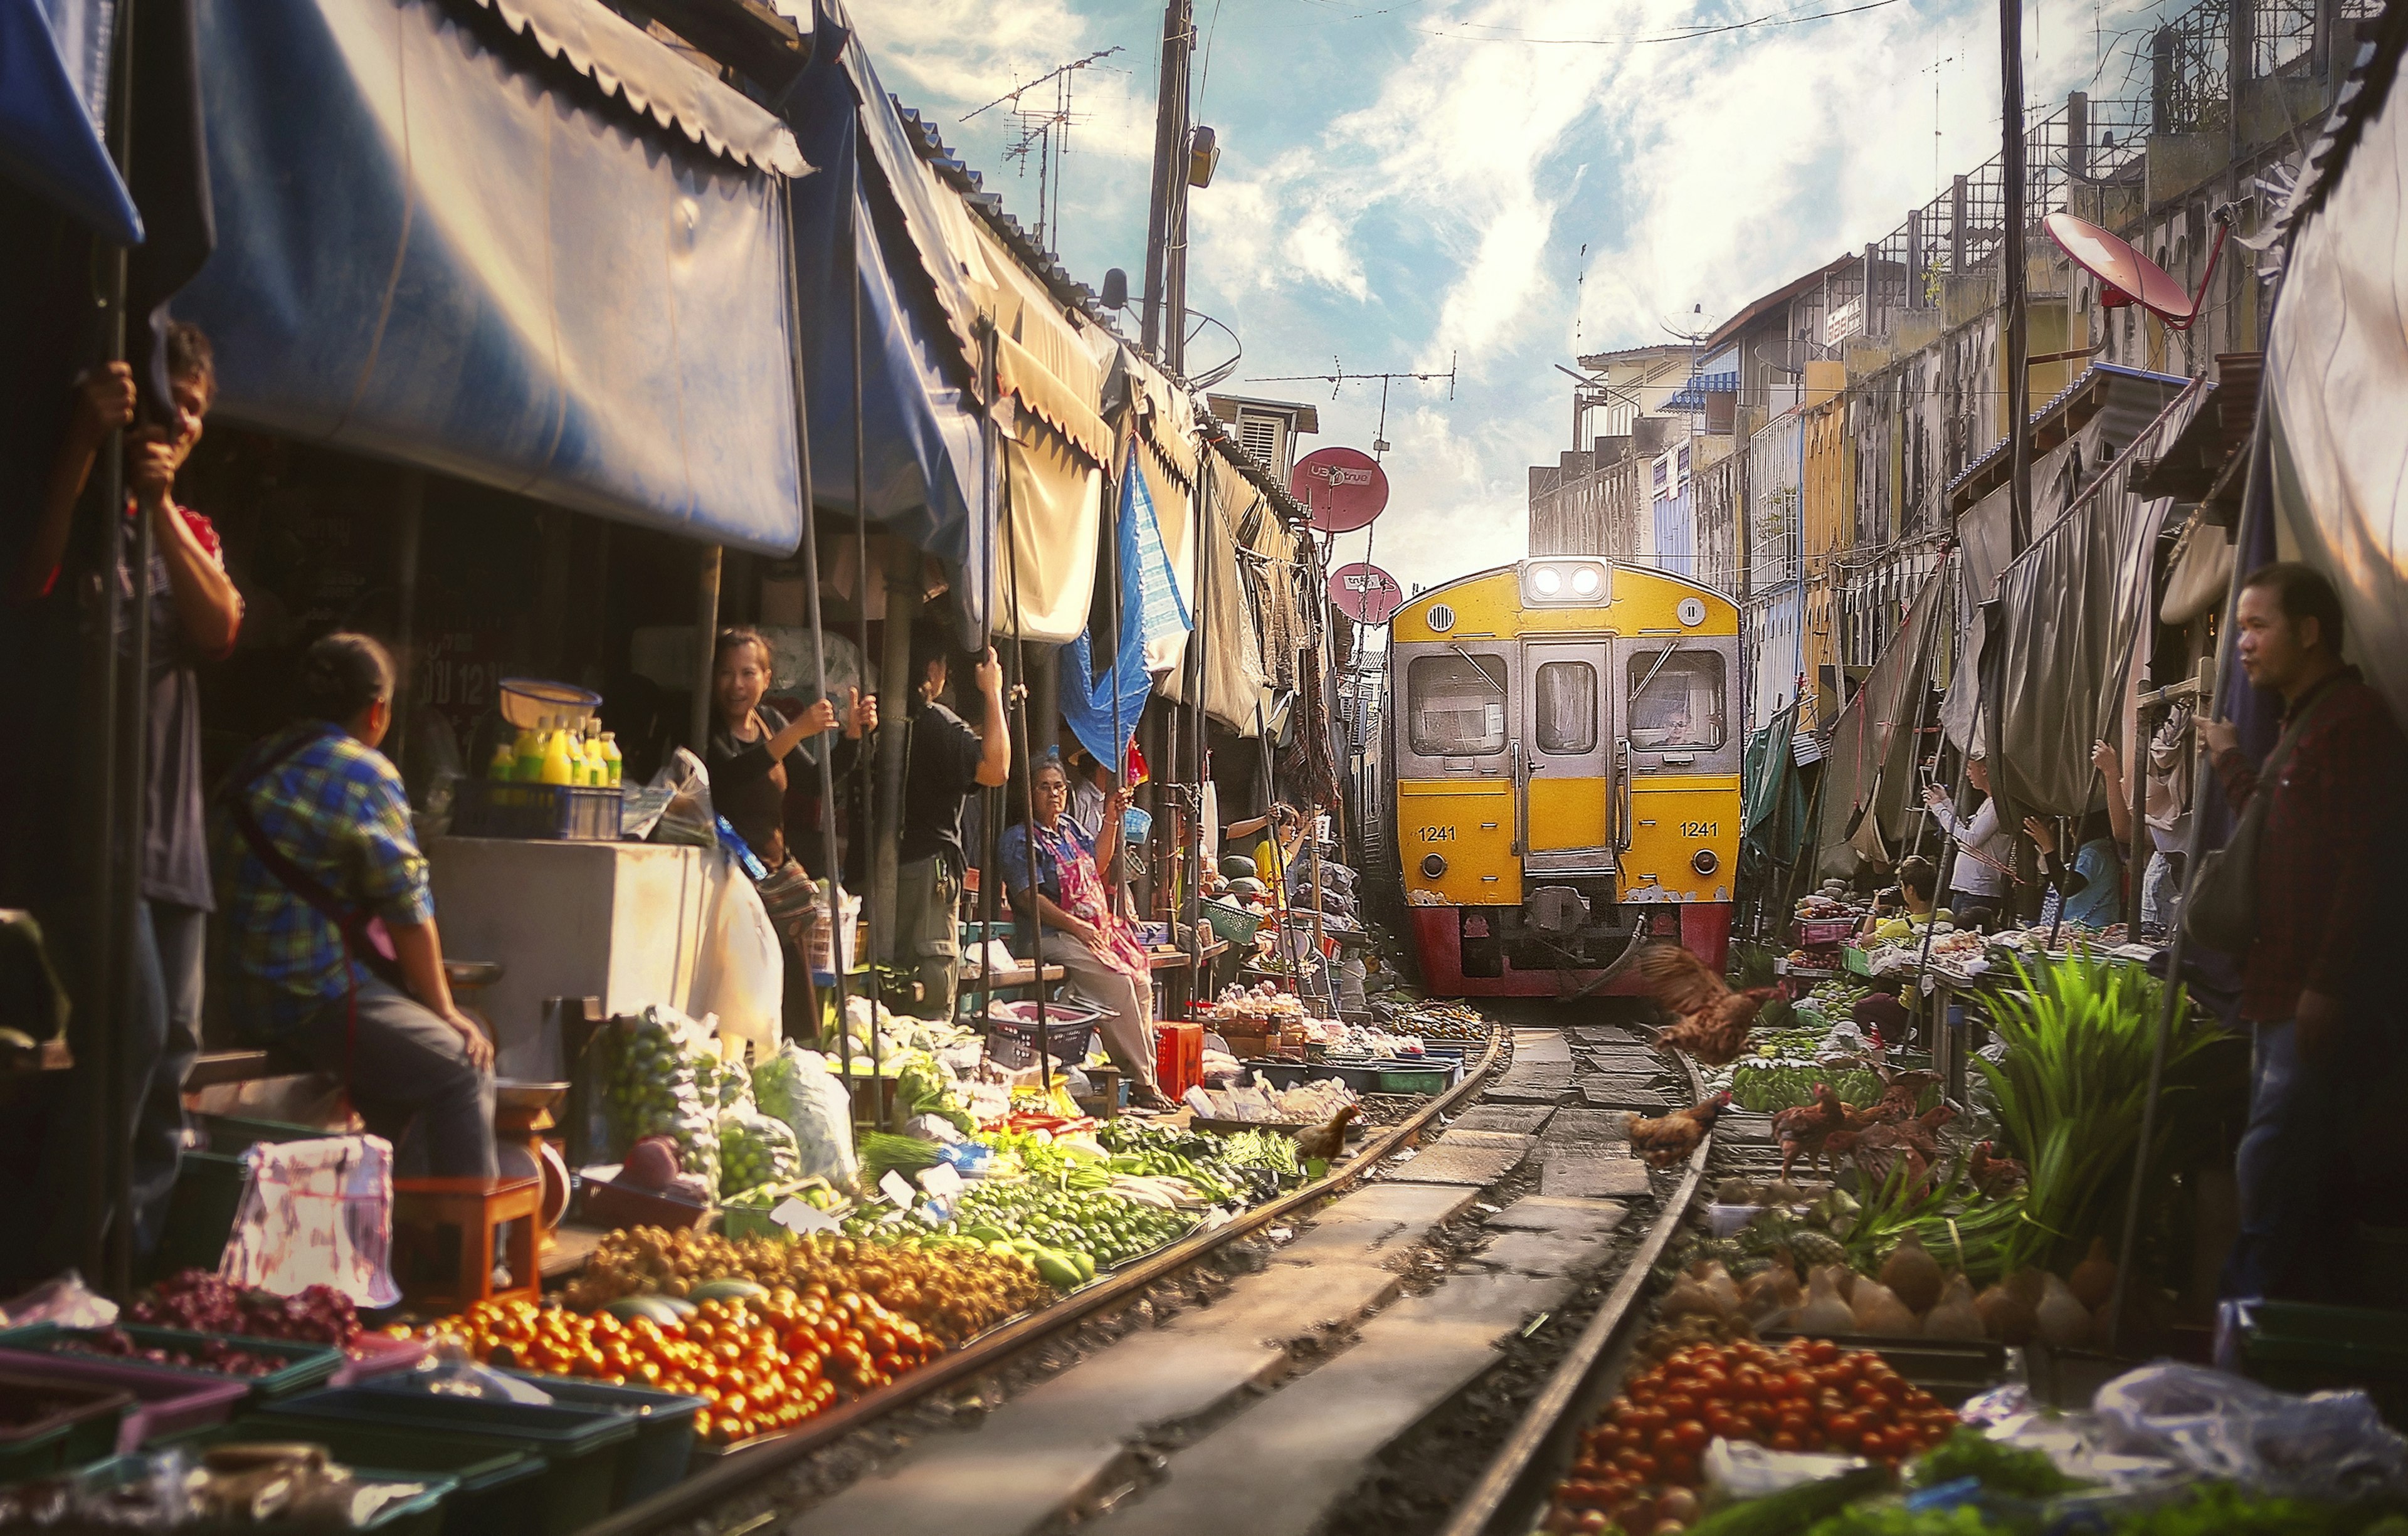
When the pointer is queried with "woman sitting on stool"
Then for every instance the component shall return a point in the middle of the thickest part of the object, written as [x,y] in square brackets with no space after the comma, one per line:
[1075,926]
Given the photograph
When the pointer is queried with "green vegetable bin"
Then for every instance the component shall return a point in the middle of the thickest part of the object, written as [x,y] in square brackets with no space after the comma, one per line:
[1233,923]
[421,1515]
[493,1489]
[585,1449]
[307,1366]
[665,1428]
[201,1208]
[2296,1346]
[46,1427]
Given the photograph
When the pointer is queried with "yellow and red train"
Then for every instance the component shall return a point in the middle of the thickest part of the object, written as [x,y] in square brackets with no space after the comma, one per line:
[1562,768]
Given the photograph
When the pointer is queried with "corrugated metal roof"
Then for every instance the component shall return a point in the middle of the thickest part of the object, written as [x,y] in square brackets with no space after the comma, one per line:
[2069,411]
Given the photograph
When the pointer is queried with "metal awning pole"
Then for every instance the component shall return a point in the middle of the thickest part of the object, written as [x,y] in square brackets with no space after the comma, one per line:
[991,800]
[877,852]
[1198,674]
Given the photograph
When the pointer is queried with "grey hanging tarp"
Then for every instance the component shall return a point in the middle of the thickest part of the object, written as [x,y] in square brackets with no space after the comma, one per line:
[2123,403]
[2073,607]
[1869,761]
[2337,362]
[526,246]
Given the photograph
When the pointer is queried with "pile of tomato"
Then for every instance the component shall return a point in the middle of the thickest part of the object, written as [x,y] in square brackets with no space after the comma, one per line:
[763,1365]
[1638,1460]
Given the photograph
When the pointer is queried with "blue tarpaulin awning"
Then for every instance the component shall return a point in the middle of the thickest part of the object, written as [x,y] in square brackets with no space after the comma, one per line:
[53,85]
[1692,395]
[436,245]
[922,453]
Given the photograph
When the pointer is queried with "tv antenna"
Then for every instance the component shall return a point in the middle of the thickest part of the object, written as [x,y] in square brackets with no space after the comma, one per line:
[1044,134]
[1337,378]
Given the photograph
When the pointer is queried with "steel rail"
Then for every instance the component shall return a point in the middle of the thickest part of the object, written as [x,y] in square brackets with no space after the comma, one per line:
[1502,1502]
[740,1471]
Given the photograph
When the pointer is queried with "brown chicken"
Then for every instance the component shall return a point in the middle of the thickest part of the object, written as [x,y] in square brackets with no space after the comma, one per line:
[1879,1151]
[1803,1128]
[1902,1095]
[1325,1141]
[1666,1141]
[1993,1175]
[1712,1020]
[1923,1132]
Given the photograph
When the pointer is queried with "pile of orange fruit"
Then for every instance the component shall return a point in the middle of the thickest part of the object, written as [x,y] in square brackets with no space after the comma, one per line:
[763,1365]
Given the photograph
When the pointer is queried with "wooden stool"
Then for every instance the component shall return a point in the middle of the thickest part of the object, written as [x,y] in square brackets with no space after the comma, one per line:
[444,1239]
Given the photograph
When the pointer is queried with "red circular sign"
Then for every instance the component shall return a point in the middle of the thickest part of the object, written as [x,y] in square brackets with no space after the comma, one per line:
[1365,594]
[1343,488]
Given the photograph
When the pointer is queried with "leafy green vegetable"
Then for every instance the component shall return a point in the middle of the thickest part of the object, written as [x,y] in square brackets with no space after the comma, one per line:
[1893,1519]
[2221,1509]
[2078,1034]
[2002,1469]
[881,1150]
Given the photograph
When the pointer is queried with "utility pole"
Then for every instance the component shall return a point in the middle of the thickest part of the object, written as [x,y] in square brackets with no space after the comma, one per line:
[2016,342]
[1166,225]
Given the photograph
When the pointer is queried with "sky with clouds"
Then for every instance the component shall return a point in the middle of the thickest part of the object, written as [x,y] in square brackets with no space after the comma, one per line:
[1500,185]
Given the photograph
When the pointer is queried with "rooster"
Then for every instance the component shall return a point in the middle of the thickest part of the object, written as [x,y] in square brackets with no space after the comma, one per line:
[1803,1128]
[1325,1141]
[1992,1175]
[1666,1141]
[1923,1132]
[1901,1094]
[1879,1149]
[1714,1020]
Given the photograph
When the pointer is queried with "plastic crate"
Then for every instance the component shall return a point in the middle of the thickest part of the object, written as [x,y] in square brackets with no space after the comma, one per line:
[373,1355]
[585,1449]
[1178,1057]
[1069,1032]
[166,1402]
[307,1365]
[665,1428]
[558,812]
[1233,923]
[493,1489]
[2297,1346]
[1815,932]
[47,1424]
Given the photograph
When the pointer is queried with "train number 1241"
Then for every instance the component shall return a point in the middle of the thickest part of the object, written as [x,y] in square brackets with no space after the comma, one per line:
[1698,829]
[1438,834]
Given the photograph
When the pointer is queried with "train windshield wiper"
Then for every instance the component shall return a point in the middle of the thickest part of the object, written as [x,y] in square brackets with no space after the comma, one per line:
[1492,682]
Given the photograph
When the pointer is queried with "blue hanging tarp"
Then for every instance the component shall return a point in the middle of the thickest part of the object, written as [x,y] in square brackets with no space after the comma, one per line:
[528,246]
[922,452]
[53,88]
[1150,609]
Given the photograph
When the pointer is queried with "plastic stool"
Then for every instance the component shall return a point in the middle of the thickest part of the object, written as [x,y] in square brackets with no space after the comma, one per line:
[445,1239]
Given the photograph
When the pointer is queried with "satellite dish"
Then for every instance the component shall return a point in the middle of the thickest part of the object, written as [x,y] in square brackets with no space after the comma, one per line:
[1365,593]
[2130,276]
[1343,488]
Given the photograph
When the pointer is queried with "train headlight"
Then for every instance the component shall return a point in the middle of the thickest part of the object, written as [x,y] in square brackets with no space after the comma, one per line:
[1705,862]
[1561,582]
[1432,866]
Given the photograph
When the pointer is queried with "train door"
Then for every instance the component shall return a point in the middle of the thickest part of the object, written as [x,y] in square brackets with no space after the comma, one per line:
[1565,752]
[1677,821]
[1456,803]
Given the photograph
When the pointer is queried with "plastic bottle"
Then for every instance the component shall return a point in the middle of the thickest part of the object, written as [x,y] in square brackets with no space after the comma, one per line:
[504,766]
[555,766]
[530,752]
[613,763]
[589,769]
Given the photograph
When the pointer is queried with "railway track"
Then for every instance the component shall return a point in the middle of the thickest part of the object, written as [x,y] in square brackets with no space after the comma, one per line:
[1328,1355]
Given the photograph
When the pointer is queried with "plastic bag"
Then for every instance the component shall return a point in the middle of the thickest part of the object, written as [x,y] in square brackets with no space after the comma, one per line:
[448,1370]
[2332,1447]
[724,1084]
[688,817]
[653,1090]
[64,1299]
[755,1149]
[741,966]
[795,1085]
[316,1213]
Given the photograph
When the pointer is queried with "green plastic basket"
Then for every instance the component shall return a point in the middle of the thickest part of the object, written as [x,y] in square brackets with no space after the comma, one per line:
[665,1428]
[493,1489]
[1233,923]
[585,1449]
[46,1427]
[307,1365]
[421,1515]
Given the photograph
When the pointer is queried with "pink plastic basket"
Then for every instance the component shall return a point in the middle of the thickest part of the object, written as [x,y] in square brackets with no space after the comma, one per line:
[1822,931]
[166,1402]
[376,1354]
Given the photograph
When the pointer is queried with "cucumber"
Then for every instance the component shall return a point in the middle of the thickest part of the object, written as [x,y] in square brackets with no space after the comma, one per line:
[1793,1510]
[628,1308]
[1086,1262]
[1059,1271]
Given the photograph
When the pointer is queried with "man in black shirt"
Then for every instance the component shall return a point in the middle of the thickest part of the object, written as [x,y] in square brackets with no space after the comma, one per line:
[944,760]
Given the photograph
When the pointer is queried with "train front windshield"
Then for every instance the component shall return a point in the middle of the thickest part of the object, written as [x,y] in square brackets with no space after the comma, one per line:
[1676,703]
[1456,704]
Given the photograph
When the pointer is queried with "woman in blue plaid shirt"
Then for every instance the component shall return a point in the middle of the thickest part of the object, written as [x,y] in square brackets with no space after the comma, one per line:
[334,948]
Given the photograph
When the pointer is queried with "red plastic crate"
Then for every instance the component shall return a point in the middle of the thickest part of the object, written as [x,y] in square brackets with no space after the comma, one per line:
[1178,1057]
